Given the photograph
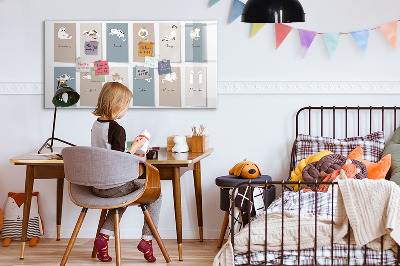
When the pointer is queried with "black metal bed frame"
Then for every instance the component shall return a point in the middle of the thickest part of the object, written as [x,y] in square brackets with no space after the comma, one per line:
[283,184]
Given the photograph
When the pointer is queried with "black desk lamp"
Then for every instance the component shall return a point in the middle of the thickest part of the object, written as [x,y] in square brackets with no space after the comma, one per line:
[64,97]
[273,11]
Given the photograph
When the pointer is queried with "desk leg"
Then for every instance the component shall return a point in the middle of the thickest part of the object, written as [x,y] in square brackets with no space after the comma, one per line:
[60,190]
[27,206]
[176,182]
[199,204]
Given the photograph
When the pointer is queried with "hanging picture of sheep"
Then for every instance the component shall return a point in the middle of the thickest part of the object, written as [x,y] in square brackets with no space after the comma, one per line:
[136,52]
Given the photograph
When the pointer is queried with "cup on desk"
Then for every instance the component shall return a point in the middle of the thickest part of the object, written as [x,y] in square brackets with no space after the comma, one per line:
[152,155]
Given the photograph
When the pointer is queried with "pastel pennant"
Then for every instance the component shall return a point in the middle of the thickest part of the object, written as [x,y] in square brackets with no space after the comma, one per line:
[213,2]
[332,41]
[237,9]
[281,31]
[389,30]
[256,27]
[361,37]
[306,39]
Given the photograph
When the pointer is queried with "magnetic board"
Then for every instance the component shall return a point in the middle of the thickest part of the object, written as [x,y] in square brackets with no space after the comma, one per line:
[166,64]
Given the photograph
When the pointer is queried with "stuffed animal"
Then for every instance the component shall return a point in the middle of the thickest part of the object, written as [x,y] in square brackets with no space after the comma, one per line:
[13,215]
[180,144]
[245,169]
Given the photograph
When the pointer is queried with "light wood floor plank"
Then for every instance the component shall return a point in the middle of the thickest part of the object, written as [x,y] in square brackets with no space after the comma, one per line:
[49,252]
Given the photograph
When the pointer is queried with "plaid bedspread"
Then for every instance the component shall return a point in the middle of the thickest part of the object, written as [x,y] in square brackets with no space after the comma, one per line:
[321,205]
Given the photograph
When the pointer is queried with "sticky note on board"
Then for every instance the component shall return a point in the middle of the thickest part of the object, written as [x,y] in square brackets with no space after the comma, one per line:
[101,67]
[142,72]
[150,62]
[164,67]
[94,78]
[82,64]
[91,48]
[146,48]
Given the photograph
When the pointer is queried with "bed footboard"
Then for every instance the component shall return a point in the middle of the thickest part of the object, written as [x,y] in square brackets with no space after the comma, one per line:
[379,257]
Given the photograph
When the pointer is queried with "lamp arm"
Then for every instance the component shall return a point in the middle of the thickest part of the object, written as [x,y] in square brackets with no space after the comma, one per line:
[54,126]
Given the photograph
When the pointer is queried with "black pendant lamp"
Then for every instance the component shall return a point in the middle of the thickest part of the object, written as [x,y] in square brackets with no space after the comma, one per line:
[273,11]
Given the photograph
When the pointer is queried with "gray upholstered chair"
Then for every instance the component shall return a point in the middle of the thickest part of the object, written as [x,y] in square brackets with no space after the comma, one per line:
[85,167]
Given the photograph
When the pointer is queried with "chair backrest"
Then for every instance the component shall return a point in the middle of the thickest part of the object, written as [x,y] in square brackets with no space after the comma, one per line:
[91,166]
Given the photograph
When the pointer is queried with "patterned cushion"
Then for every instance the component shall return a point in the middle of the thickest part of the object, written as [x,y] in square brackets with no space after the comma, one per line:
[372,144]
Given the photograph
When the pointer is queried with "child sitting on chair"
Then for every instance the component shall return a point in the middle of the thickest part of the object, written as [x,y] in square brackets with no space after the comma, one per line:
[106,133]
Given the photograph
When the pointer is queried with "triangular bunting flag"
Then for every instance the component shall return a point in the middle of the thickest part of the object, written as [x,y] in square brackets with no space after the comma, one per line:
[361,38]
[213,2]
[306,39]
[256,28]
[389,30]
[237,9]
[332,41]
[281,31]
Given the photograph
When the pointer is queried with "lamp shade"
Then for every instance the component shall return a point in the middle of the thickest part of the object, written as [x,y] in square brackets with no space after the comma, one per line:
[273,11]
[65,96]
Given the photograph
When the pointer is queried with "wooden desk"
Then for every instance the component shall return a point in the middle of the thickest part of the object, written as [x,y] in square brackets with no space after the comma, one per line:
[171,167]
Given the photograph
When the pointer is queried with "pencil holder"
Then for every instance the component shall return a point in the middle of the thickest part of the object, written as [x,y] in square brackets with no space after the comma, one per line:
[200,143]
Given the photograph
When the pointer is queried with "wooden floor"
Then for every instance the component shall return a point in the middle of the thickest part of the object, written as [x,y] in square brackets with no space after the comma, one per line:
[50,252]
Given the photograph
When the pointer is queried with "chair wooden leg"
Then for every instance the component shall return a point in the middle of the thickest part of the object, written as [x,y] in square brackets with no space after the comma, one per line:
[117,238]
[223,229]
[73,237]
[101,222]
[154,230]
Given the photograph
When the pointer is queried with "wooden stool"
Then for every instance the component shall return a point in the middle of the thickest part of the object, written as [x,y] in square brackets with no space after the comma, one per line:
[226,183]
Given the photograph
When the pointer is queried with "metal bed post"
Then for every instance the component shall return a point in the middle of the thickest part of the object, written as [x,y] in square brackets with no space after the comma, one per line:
[315,223]
[266,221]
[283,210]
[298,240]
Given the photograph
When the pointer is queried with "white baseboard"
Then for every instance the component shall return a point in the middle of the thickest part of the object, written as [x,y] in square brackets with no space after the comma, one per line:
[260,87]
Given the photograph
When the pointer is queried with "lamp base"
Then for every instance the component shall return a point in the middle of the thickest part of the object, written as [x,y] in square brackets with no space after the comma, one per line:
[50,146]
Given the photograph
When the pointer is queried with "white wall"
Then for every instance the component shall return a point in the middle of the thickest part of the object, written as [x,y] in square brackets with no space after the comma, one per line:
[257,127]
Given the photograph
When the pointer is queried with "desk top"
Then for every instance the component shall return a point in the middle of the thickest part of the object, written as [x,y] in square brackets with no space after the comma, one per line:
[164,157]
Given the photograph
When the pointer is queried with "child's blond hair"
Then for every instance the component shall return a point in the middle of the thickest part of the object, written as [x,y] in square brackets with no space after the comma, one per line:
[113,98]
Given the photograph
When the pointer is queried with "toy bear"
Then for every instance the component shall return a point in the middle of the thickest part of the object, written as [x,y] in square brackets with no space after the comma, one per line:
[245,169]
[180,144]
[13,215]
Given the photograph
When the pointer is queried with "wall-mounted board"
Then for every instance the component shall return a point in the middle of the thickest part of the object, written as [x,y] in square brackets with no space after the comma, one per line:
[166,64]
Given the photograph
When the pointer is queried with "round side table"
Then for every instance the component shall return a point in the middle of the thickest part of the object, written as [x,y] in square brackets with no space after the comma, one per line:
[228,182]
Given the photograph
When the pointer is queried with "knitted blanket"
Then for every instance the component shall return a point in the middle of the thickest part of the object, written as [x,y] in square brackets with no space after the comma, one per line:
[274,235]
[373,209]
[371,206]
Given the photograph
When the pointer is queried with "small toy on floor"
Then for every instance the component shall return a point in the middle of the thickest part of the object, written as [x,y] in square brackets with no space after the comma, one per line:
[13,215]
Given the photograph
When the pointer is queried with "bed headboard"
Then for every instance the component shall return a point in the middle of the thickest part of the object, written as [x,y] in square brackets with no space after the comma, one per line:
[344,121]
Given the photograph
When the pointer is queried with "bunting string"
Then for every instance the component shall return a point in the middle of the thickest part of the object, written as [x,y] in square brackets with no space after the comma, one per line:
[361,37]
[343,33]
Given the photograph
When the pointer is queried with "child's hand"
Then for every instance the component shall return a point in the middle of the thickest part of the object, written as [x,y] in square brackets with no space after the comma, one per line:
[143,155]
[137,144]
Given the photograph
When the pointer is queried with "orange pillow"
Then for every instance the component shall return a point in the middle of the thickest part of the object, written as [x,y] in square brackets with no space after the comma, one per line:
[375,170]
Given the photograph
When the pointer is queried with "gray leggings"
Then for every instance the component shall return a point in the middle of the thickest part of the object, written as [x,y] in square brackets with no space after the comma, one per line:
[154,208]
